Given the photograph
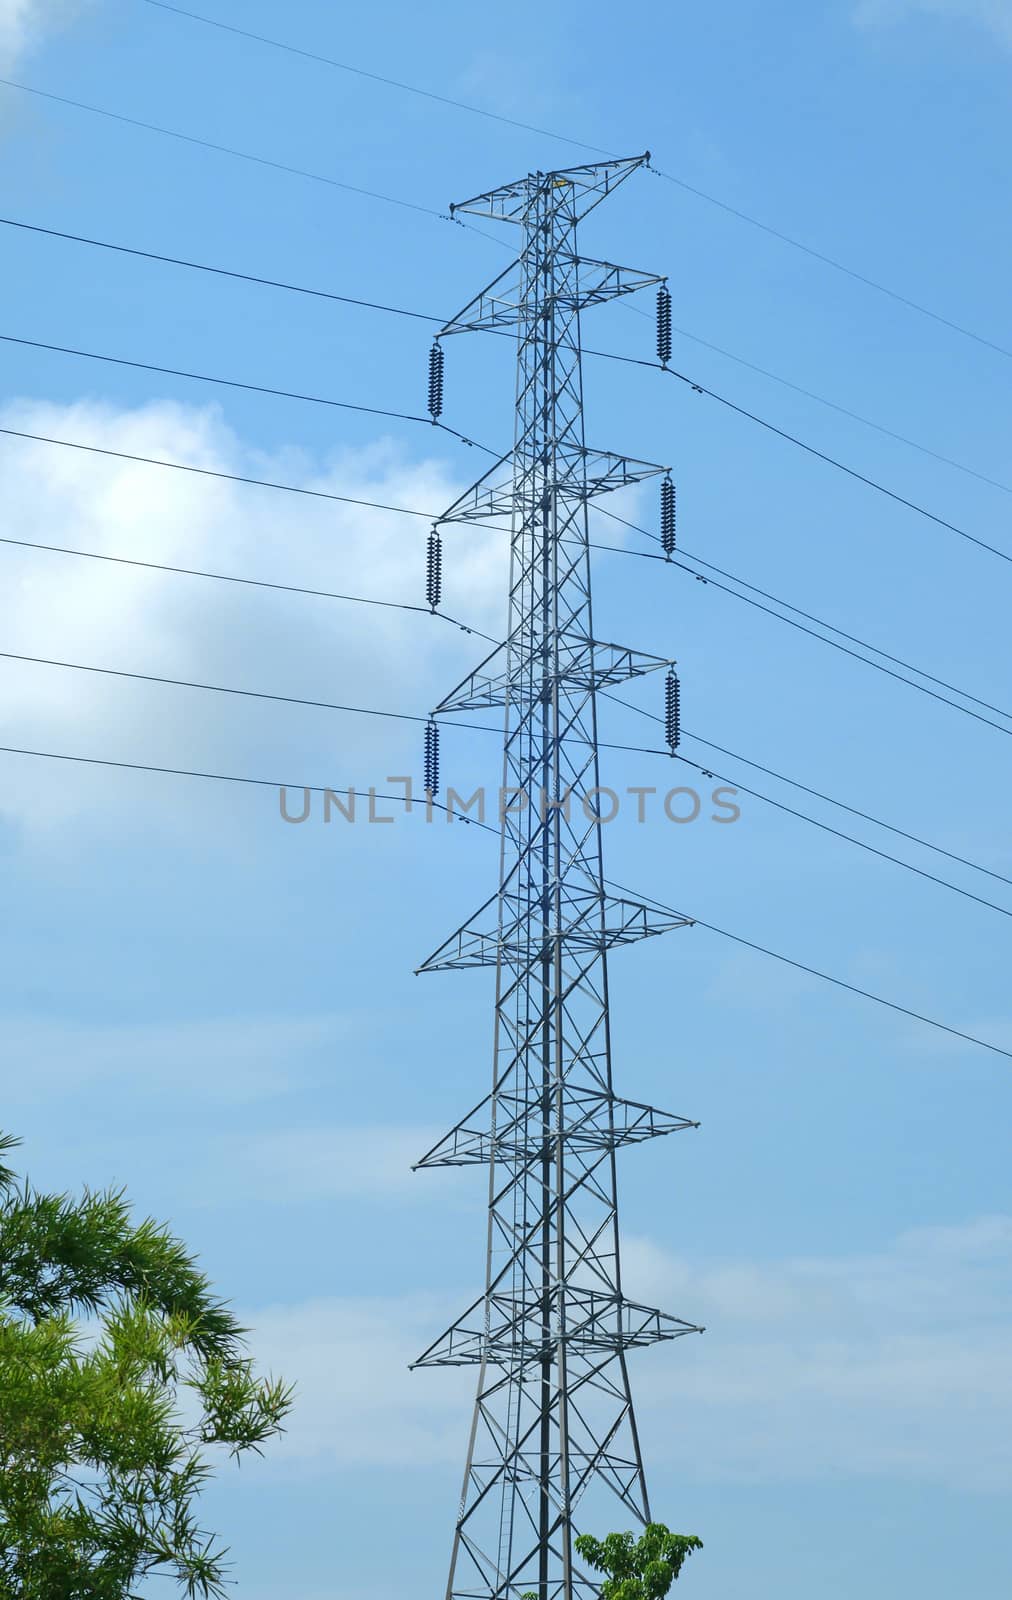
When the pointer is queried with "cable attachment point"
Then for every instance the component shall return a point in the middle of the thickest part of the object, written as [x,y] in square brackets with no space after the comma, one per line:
[431,759]
[673,711]
[667,517]
[436,381]
[663,325]
[434,570]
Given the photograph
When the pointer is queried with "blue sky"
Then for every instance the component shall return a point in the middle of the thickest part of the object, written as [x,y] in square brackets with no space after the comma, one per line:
[218,1010]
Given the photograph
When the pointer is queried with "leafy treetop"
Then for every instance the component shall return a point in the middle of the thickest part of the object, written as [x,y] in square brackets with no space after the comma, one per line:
[636,1569]
[106,1424]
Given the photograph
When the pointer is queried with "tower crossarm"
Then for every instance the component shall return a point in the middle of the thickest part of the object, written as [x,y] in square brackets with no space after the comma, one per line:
[584,664]
[586,282]
[600,281]
[607,471]
[579,474]
[595,1323]
[585,187]
[590,923]
[594,1121]
[497,306]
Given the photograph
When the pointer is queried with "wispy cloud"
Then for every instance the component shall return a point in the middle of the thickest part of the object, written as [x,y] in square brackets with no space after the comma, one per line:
[993,15]
[889,1364]
[144,621]
[893,1363]
[358,1404]
[228,1060]
[25,23]
[330,1162]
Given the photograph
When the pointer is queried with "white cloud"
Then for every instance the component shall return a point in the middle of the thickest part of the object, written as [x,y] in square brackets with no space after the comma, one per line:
[993,15]
[137,620]
[330,1162]
[357,1402]
[890,1364]
[144,621]
[24,22]
[227,1060]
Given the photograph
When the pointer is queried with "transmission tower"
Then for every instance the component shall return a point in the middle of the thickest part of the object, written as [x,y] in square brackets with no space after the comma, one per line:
[553,1443]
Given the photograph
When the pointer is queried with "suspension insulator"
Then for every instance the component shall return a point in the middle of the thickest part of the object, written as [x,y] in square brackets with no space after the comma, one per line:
[672,712]
[663,325]
[667,516]
[436,381]
[432,758]
[434,570]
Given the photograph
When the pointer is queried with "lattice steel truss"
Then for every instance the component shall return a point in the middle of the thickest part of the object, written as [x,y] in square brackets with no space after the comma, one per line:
[553,1419]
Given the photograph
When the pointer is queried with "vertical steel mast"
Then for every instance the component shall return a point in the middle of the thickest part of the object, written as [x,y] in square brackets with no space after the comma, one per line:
[553,1441]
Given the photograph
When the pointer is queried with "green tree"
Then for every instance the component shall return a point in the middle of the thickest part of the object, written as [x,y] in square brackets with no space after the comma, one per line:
[119,1374]
[638,1569]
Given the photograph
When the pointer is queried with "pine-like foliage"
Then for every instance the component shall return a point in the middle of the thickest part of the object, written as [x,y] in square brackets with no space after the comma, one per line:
[119,1375]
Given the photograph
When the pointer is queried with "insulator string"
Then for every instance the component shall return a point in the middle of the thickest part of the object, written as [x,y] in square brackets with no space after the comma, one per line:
[663,325]
[436,382]
[431,769]
[667,516]
[434,570]
[672,712]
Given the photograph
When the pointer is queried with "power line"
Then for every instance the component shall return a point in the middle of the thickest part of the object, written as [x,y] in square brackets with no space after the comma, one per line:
[408,511]
[423,316]
[582,144]
[776,615]
[878,666]
[280,699]
[466,628]
[606,355]
[264,483]
[817,794]
[375,77]
[837,266]
[225,777]
[214,688]
[844,411]
[243,155]
[222,149]
[465,439]
[234,383]
[412,205]
[897,660]
[866,994]
[255,583]
[271,783]
[840,983]
[810,449]
[855,811]
[286,394]
[208,472]
[832,461]
[327,594]
[405,716]
[220,272]
[803,816]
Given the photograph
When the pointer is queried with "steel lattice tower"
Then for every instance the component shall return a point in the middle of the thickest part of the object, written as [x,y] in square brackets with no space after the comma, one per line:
[553,1419]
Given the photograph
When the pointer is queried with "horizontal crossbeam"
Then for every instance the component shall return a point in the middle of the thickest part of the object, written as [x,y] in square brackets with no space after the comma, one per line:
[592,1122]
[515,1336]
